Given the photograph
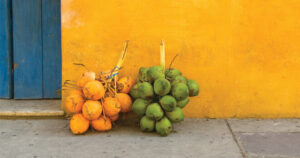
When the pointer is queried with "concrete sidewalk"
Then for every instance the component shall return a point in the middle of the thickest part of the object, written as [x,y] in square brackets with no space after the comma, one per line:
[30,108]
[193,138]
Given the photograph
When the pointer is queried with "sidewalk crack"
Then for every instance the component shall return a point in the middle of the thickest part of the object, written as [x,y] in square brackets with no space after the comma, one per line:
[235,139]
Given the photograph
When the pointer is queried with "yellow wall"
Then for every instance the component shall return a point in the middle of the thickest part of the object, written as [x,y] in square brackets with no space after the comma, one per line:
[245,54]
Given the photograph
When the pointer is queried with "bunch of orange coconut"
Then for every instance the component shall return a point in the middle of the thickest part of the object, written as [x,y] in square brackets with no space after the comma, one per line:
[97,99]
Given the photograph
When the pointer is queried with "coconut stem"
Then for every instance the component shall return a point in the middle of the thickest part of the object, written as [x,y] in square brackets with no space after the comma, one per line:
[115,87]
[162,54]
[79,64]
[121,60]
[123,55]
[101,101]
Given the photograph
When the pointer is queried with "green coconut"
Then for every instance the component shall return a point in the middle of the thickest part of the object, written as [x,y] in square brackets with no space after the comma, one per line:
[139,106]
[176,115]
[147,124]
[193,88]
[145,90]
[163,127]
[154,111]
[172,73]
[134,93]
[143,74]
[155,72]
[180,78]
[168,103]
[180,91]
[182,103]
[162,86]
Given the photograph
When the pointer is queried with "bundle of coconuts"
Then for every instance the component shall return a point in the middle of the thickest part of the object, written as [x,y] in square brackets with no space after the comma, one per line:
[160,96]
[96,100]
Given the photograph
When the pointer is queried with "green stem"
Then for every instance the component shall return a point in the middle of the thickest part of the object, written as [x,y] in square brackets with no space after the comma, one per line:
[162,55]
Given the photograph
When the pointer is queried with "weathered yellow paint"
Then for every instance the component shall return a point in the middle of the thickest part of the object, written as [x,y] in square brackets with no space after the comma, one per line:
[245,54]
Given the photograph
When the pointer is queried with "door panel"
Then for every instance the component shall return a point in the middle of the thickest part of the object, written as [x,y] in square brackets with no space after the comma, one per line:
[51,47]
[5,50]
[27,49]
[30,44]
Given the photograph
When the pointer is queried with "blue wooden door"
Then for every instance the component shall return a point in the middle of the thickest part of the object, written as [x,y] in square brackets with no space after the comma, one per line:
[5,50]
[36,49]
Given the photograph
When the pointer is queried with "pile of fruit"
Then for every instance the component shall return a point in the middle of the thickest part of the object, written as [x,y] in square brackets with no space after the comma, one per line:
[160,96]
[97,99]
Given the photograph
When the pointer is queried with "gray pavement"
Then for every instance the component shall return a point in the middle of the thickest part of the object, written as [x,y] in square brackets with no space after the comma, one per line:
[192,138]
[278,138]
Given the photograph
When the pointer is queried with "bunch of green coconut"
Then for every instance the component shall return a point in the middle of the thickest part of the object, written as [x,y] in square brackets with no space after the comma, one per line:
[160,96]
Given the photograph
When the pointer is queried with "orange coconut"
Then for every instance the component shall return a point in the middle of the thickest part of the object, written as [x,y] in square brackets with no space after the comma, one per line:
[101,124]
[85,78]
[93,90]
[111,106]
[125,102]
[124,84]
[74,103]
[91,110]
[79,124]
[114,118]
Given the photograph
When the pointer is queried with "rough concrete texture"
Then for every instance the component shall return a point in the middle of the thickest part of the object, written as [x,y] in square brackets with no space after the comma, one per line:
[19,108]
[271,144]
[265,125]
[258,138]
[192,138]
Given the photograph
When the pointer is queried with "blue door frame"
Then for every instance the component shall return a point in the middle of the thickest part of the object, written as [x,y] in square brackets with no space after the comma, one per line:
[33,68]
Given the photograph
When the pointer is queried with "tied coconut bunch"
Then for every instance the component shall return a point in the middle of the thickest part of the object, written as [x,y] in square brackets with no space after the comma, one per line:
[97,99]
[160,96]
